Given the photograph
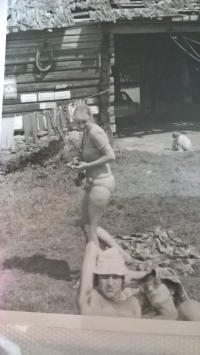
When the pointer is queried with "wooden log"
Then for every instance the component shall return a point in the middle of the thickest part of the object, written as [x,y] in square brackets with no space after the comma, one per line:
[105,84]
[113,61]
[57,85]
[185,80]
[153,27]
[56,47]
[59,75]
[90,101]
[112,42]
[112,99]
[112,89]
[32,68]
[58,56]
[26,107]
[111,110]
[56,32]
[112,119]
[75,93]
[37,41]
[112,50]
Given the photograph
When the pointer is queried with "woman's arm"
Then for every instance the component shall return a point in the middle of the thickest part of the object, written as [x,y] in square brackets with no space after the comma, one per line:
[135,275]
[92,252]
[109,241]
[108,155]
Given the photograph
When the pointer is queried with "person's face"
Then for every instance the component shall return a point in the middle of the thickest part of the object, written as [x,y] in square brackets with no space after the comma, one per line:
[82,124]
[157,292]
[110,286]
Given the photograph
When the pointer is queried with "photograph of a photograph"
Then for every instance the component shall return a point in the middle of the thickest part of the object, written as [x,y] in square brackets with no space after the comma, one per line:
[99,159]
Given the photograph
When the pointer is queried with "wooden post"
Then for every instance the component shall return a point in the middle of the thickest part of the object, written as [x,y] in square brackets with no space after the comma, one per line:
[26,123]
[34,127]
[147,87]
[105,84]
[187,96]
[48,120]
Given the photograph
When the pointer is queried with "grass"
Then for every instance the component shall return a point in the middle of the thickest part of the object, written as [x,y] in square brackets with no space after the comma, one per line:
[42,244]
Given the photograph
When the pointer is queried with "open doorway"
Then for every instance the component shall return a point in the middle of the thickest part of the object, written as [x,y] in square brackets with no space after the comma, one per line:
[155,79]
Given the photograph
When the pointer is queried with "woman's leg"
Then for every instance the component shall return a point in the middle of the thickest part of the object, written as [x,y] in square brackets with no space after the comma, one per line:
[94,204]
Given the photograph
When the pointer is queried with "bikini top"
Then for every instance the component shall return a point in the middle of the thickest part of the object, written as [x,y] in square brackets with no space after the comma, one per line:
[94,139]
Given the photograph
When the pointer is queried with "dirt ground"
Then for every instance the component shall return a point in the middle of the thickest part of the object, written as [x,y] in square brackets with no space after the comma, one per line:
[42,244]
[156,137]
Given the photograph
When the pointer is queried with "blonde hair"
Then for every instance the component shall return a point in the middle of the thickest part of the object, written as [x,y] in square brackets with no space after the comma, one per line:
[176,134]
[83,113]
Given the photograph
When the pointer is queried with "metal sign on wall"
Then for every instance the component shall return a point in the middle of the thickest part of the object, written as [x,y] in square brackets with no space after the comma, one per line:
[28,98]
[10,88]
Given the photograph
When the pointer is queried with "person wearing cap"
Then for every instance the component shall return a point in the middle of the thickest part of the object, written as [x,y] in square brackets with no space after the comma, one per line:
[166,297]
[180,142]
[101,286]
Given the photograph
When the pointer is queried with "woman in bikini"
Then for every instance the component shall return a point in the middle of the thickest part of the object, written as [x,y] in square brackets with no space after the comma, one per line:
[97,153]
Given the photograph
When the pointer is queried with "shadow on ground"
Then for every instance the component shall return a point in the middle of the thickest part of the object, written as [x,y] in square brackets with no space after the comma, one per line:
[147,127]
[39,264]
[168,117]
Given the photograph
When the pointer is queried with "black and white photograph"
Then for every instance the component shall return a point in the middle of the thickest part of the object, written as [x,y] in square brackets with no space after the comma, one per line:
[100,159]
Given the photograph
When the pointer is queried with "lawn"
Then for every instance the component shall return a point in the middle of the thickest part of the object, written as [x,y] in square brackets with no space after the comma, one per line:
[42,244]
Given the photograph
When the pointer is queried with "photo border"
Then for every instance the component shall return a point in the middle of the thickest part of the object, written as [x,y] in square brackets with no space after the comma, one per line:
[77,322]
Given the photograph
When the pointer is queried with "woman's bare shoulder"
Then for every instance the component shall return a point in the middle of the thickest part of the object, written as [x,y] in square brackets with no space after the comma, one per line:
[95,128]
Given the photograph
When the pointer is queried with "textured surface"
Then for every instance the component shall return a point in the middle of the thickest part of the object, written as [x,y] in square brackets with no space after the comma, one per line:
[57,341]
[34,14]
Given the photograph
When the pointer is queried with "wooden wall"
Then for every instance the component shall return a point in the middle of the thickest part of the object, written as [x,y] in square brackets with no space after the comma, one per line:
[107,82]
[76,66]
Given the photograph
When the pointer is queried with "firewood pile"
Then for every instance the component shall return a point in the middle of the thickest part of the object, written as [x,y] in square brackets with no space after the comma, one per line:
[34,14]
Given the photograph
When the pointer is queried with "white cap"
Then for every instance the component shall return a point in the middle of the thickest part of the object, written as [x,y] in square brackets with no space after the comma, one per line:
[111,262]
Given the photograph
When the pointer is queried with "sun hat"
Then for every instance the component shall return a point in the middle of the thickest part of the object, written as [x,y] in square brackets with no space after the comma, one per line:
[111,262]
[167,274]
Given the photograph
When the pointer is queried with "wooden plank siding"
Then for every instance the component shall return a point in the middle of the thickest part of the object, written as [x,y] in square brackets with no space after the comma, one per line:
[107,83]
[76,65]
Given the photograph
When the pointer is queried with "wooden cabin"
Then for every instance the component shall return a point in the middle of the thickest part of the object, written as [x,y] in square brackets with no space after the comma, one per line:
[92,43]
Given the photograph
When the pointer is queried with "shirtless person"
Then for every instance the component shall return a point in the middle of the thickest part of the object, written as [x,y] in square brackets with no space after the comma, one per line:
[102,278]
[180,142]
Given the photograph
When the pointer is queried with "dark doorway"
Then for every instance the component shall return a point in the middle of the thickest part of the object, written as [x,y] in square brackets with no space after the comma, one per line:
[153,75]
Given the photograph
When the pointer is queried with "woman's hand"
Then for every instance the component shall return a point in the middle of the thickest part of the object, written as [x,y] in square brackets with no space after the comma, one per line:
[81,167]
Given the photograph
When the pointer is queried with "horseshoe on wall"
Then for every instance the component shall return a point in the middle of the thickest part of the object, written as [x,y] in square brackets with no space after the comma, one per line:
[47,44]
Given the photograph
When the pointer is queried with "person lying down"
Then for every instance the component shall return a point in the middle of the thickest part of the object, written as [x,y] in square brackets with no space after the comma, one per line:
[107,289]
[162,296]
[103,276]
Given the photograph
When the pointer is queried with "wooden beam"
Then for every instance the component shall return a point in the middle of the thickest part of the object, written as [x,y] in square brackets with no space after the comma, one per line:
[37,41]
[59,75]
[57,32]
[58,56]
[152,27]
[75,93]
[32,68]
[105,84]
[15,106]
[57,85]
[56,47]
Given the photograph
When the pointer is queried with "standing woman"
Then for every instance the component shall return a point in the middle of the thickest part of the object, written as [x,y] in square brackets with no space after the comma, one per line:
[97,153]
